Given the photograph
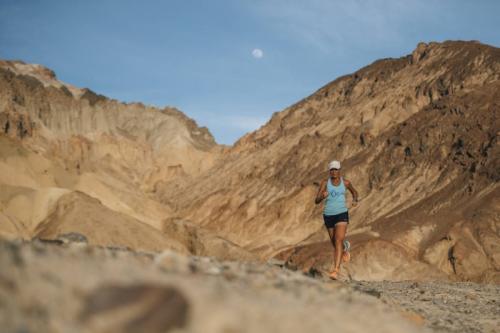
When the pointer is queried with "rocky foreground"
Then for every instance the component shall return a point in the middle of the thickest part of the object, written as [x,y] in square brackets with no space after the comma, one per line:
[66,285]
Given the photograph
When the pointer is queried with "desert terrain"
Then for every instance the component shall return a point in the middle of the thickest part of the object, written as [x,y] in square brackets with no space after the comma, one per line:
[141,205]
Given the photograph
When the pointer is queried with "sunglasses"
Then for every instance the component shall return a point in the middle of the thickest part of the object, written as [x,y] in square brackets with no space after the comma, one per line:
[334,169]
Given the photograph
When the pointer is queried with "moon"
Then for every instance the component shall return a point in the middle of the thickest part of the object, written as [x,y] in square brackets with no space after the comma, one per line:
[257,53]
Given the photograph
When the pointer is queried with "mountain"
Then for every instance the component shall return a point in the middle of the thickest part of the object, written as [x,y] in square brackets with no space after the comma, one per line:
[75,161]
[417,136]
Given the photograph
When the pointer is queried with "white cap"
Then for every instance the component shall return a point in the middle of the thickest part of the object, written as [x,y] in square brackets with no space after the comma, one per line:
[334,165]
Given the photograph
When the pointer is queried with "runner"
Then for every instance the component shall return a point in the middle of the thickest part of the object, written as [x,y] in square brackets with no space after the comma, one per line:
[336,214]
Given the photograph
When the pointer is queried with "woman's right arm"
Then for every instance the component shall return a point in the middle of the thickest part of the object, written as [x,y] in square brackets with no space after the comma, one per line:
[321,192]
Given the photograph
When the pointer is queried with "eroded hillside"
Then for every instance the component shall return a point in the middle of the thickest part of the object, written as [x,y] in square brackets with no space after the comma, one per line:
[75,161]
[418,137]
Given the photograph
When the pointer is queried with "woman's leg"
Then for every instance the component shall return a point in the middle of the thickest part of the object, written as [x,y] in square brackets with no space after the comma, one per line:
[340,230]
[331,233]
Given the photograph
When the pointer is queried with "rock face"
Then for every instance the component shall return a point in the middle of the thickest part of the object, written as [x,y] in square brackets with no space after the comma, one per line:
[90,131]
[417,136]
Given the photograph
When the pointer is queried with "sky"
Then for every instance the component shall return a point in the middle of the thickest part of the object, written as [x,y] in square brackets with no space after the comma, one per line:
[227,64]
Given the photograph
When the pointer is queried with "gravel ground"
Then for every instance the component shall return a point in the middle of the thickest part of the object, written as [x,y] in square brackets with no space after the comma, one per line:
[445,307]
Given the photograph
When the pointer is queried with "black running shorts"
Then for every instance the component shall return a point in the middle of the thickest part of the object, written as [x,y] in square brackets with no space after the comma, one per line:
[332,220]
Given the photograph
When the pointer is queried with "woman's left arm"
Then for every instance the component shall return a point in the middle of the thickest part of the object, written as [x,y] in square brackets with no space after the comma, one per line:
[353,191]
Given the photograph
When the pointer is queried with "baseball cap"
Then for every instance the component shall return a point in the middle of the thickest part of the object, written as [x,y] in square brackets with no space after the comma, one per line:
[334,165]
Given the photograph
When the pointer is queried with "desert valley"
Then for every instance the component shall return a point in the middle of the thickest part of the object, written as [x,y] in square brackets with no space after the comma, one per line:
[124,217]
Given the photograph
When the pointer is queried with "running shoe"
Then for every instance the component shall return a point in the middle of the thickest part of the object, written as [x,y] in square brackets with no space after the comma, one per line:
[346,255]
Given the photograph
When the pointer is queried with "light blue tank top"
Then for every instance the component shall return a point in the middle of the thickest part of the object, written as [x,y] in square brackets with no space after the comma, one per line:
[335,201]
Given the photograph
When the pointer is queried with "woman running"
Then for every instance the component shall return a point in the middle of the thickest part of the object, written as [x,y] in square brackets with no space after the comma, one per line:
[335,213]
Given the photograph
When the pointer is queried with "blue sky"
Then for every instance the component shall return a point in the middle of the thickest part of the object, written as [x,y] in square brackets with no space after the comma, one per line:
[199,56]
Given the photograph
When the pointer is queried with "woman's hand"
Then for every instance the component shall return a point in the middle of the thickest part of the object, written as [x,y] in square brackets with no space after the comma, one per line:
[322,192]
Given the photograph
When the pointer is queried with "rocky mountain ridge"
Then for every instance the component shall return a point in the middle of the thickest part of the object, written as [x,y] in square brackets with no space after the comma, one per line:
[418,137]
[75,161]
